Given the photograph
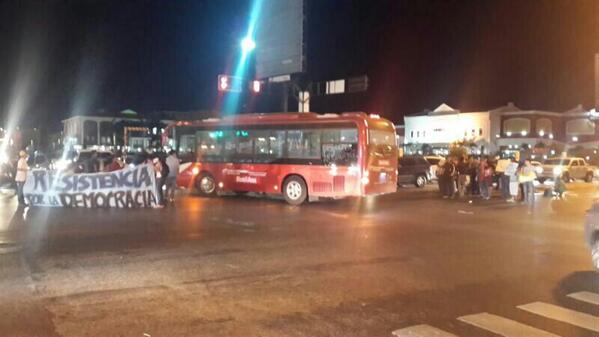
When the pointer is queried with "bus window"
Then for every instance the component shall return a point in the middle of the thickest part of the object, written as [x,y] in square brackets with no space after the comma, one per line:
[379,137]
[303,144]
[261,143]
[340,146]
[277,144]
[208,147]
[245,146]
[340,136]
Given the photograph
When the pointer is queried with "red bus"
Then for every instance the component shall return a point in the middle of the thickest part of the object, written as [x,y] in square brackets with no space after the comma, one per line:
[303,156]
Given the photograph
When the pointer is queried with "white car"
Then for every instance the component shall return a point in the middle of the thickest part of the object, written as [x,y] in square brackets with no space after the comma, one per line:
[569,168]
[434,161]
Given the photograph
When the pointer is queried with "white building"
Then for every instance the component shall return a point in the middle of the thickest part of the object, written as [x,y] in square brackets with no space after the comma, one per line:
[446,125]
[503,128]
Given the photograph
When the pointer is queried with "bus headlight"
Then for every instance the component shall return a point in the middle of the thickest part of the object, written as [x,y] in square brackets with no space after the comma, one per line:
[557,170]
[195,171]
[364,180]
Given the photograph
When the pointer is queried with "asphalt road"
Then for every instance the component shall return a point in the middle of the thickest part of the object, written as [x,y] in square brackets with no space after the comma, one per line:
[408,262]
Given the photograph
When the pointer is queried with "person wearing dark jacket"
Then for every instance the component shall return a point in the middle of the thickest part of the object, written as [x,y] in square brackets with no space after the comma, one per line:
[463,176]
[448,177]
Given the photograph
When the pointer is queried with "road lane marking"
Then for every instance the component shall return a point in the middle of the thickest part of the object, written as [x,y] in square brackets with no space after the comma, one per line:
[586,296]
[422,330]
[503,326]
[562,314]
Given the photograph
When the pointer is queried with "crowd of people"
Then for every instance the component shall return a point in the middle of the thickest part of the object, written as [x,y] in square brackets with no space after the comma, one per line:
[475,176]
[166,168]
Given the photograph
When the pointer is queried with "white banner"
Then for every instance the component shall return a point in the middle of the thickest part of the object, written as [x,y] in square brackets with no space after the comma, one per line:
[127,188]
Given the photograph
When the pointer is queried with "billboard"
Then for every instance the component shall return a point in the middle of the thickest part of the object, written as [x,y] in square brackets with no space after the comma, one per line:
[280,38]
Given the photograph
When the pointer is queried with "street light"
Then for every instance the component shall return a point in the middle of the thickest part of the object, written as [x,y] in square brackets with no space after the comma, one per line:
[248,44]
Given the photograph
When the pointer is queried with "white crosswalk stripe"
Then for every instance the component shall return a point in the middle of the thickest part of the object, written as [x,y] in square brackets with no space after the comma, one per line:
[586,296]
[503,326]
[422,330]
[562,314]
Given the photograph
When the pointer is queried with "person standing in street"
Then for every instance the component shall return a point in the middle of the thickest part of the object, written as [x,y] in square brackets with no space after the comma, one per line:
[463,176]
[441,177]
[504,179]
[171,180]
[448,176]
[160,171]
[511,171]
[485,179]
[527,177]
[21,176]
[473,171]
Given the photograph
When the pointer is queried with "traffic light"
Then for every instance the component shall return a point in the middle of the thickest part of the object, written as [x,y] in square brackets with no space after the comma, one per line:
[230,83]
[223,82]
[256,87]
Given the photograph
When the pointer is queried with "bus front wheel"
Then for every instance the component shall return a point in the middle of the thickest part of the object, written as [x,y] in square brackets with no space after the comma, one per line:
[206,185]
[295,190]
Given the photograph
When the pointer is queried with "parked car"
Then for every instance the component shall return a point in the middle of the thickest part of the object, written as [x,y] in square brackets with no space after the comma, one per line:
[569,167]
[591,230]
[434,161]
[538,166]
[413,170]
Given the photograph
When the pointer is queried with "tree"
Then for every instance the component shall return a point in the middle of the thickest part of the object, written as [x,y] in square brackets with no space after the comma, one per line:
[458,150]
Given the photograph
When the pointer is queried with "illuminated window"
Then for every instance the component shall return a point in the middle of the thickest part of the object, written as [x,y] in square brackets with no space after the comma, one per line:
[516,126]
[580,126]
[543,126]
[335,87]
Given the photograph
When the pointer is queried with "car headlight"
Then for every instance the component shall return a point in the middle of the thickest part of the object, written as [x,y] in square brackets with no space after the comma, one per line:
[195,171]
[557,170]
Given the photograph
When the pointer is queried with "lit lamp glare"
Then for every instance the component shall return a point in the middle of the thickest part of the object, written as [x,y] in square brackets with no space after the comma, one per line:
[541,133]
[247,44]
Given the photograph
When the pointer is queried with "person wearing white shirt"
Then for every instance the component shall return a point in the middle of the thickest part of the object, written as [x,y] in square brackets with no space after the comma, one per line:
[21,176]
[511,171]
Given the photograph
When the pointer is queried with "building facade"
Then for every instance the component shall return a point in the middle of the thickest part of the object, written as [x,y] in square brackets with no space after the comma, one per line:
[111,133]
[506,128]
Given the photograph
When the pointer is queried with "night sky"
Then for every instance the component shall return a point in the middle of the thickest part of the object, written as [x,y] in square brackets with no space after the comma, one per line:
[82,56]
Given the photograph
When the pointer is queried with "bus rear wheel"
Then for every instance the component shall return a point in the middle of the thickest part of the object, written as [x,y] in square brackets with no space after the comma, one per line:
[295,190]
[206,185]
